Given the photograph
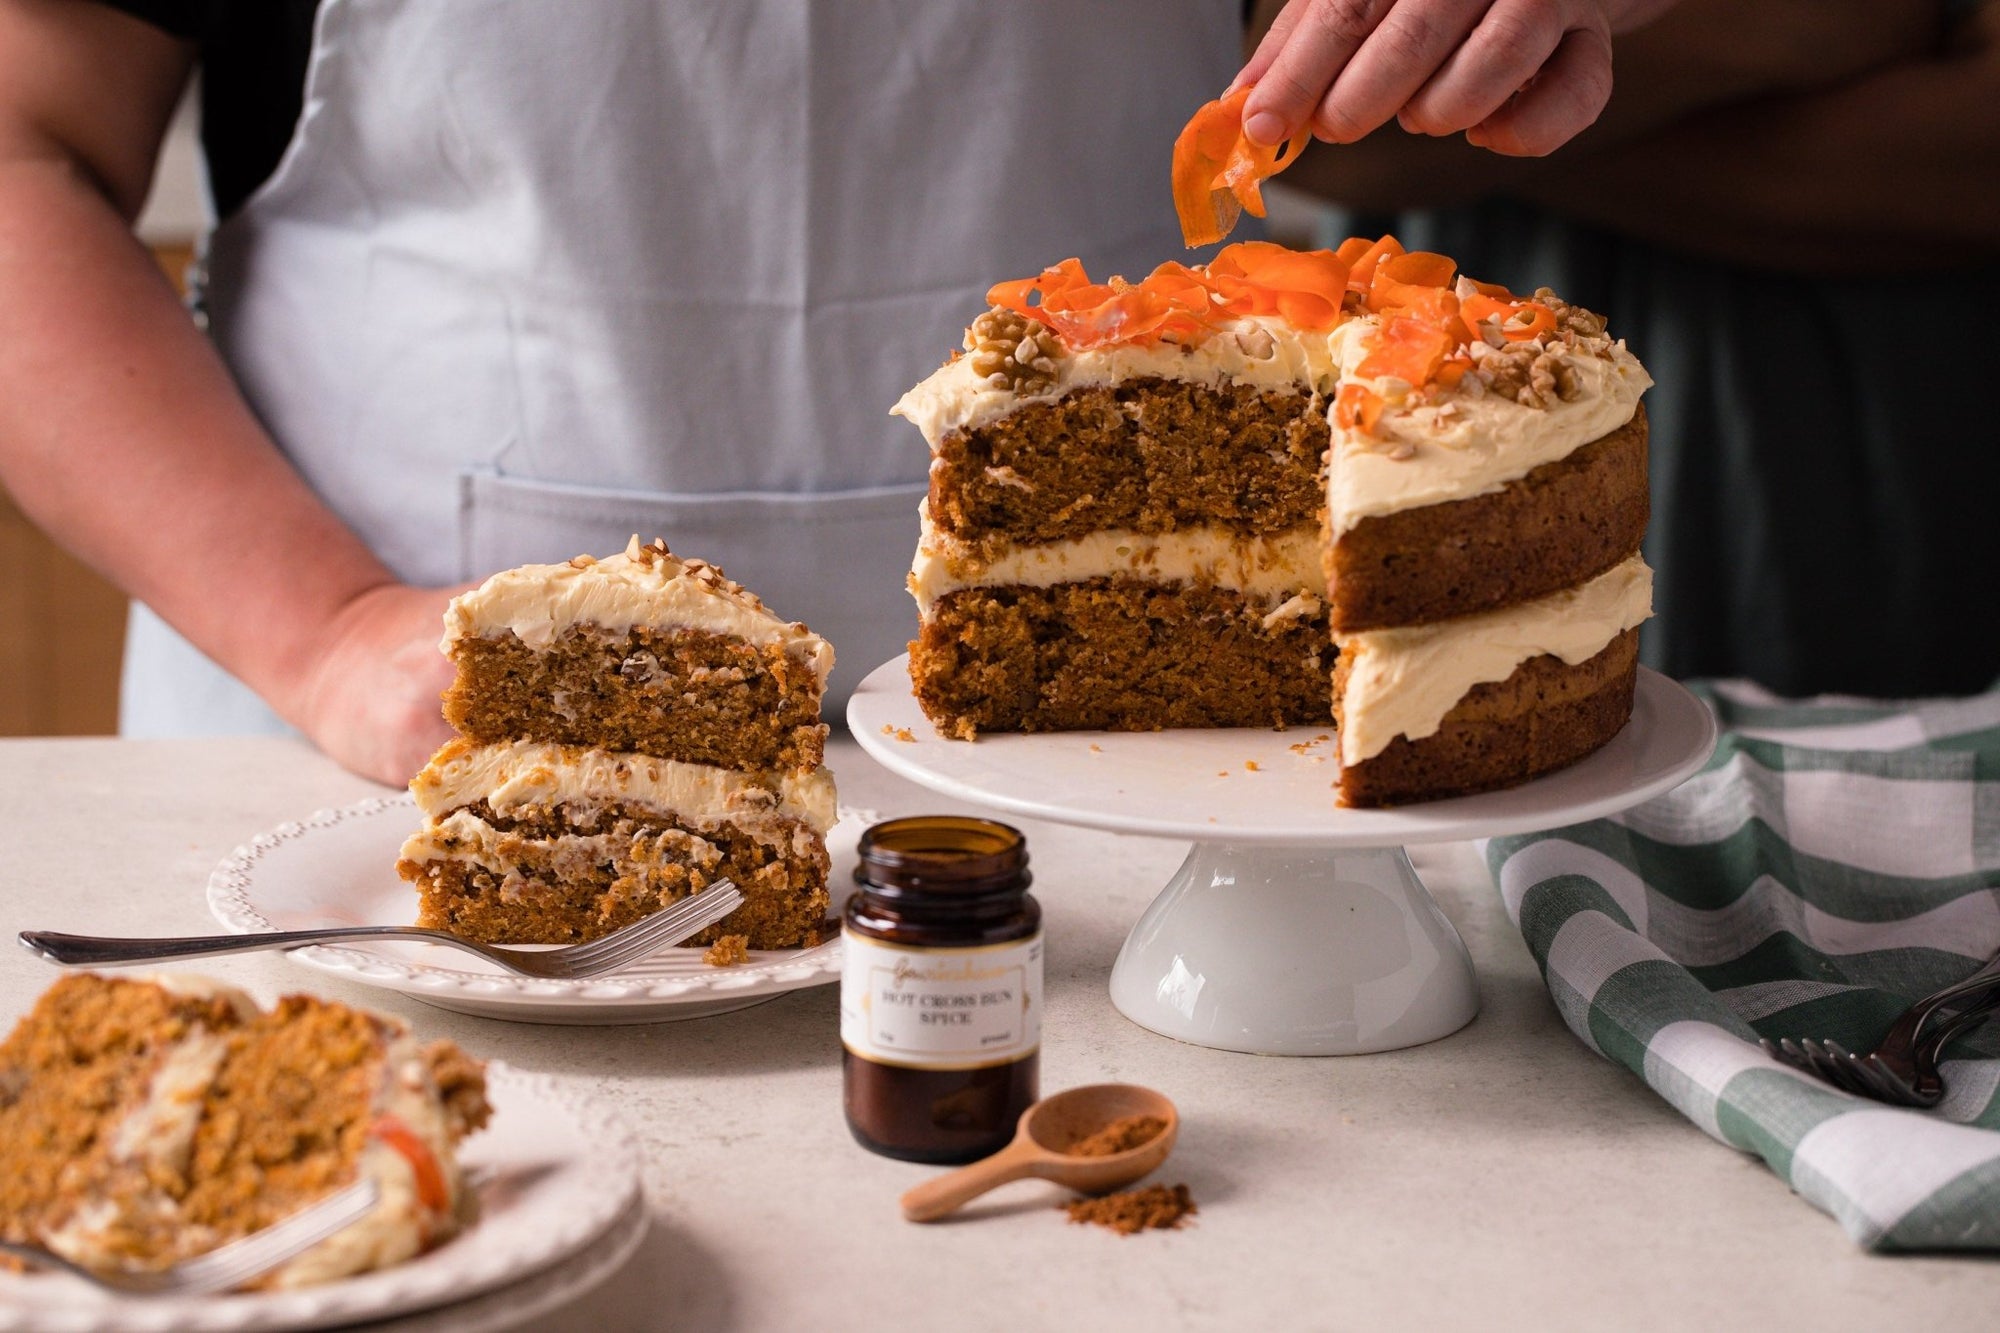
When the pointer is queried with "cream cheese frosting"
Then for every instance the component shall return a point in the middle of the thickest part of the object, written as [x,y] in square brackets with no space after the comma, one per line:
[1466,443]
[1262,352]
[509,777]
[1404,680]
[1274,568]
[643,586]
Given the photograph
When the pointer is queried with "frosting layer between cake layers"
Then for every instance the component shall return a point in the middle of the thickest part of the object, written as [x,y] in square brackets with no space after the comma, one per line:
[1404,680]
[513,777]
[1274,568]
[643,586]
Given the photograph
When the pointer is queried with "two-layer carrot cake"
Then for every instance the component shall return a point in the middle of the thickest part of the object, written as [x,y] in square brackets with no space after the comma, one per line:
[1179,501]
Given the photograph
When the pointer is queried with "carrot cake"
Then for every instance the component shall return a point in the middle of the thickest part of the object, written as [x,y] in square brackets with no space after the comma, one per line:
[146,1121]
[632,729]
[1176,502]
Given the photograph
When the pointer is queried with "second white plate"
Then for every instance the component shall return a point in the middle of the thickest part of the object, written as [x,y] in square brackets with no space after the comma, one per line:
[338,868]
[558,1182]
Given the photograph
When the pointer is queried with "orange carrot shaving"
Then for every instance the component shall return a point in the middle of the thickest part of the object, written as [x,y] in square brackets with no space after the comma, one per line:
[1409,348]
[429,1176]
[1518,320]
[1363,255]
[1357,405]
[1218,174]
[1409,279]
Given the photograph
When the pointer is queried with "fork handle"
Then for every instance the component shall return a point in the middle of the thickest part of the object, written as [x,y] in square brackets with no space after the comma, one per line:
[110,951]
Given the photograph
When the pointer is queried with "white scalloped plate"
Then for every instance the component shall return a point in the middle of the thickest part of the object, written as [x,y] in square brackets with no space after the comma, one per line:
[554,1175]
[338,868]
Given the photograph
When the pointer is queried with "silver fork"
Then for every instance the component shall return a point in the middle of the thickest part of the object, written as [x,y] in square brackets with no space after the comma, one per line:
[1917,1081]
[573,962]
[1890,1072]
[230,1265]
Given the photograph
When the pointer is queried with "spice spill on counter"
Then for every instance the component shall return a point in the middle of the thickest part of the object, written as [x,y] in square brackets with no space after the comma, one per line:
[1163,1207]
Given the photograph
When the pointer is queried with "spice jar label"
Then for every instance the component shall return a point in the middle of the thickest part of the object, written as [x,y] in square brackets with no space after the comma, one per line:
[941,1008]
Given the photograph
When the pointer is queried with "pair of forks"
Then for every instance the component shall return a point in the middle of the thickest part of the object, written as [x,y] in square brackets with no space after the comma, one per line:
[1903,1068]
[574,962]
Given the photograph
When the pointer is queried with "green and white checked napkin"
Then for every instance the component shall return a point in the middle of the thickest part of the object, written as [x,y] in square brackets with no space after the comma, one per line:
[1835,861]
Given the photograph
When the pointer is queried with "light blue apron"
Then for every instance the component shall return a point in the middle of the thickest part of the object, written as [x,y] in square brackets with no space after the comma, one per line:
[534,275]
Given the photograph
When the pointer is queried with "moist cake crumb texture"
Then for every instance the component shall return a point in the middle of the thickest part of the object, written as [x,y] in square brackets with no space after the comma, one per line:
[632,730]
[143,1122]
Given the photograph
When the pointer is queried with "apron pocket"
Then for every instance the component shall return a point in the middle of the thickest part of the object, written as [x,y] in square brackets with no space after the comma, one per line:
[838,561]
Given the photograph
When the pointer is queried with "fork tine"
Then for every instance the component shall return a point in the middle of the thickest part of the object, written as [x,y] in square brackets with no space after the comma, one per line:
[660,922]
[1827,1056]
[647,936]
[1892,1086]
[261,1251]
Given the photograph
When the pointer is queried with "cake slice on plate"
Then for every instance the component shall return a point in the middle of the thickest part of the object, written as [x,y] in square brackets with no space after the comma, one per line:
[143,1122]
[632,730]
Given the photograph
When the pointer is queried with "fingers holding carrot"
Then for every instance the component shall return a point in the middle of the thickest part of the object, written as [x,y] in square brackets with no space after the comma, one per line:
[1520,77]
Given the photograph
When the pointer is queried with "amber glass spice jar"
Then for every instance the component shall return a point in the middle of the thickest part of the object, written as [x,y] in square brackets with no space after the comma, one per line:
[940,989]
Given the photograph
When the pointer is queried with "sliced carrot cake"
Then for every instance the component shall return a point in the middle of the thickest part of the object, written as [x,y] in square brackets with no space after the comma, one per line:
[632,730]
[146,1121]
[1168,503]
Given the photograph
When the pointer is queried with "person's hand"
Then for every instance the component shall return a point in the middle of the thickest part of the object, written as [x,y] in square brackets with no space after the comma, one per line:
[1520,77]
[370,697]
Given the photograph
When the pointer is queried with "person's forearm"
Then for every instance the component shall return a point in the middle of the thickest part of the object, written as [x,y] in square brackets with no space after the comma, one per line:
[1883,174]
[122,434]
[1701,55]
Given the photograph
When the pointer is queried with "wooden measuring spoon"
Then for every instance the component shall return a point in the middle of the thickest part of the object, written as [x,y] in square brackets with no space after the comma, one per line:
[1041,1148]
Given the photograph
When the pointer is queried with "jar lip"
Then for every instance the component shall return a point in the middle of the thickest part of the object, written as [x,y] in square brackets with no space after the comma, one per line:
[945,854]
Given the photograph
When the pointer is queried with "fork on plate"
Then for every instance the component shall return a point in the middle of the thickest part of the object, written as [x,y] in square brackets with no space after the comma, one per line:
[572,962]
[1903,1067]
[230,1265]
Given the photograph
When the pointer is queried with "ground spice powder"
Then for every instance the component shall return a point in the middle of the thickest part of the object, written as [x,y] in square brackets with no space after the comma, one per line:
[1131,1211]
[1121,1135]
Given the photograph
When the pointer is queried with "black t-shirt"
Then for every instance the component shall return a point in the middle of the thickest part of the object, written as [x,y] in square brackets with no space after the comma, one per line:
[253,58]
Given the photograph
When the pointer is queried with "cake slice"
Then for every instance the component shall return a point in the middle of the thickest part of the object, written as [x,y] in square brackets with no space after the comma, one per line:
[632,730]
[146,1121]
[1123,525]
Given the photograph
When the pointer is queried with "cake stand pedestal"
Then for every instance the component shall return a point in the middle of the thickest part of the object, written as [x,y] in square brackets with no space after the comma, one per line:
[1294,927]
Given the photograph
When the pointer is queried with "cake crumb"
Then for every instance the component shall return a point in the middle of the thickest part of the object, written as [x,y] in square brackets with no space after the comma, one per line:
[1223,774]
[1121,1135]
[728,951]
[903,734]
[1129,1212]
[1095,748]
[1251,764]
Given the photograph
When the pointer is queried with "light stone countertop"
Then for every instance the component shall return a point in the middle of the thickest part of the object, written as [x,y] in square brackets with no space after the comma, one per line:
[1504,1177]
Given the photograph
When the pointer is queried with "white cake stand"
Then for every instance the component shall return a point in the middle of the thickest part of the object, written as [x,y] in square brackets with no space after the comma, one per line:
[1294,927]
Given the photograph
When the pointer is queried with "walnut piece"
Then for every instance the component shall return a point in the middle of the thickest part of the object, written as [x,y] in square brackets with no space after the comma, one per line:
[1528,375]
[1571,318]
[1011,351]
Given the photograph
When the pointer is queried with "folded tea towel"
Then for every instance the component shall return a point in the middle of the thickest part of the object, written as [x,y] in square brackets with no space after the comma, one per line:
[1835,861]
